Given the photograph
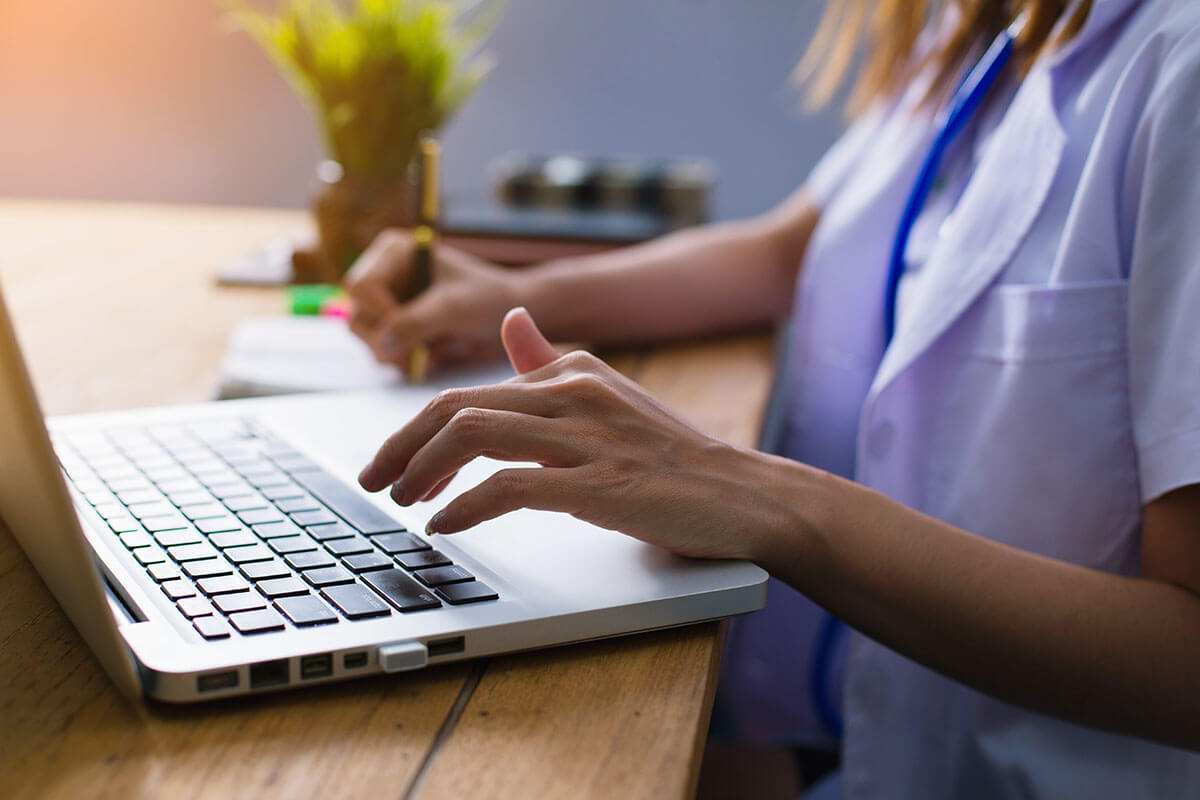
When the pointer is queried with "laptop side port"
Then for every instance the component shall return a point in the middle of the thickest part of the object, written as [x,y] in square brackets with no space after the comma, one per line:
[446,647]
[216,681]
[356,660]
[268,673]
[320,666]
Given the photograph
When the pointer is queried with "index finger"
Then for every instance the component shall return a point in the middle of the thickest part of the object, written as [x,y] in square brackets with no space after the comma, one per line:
[394,454]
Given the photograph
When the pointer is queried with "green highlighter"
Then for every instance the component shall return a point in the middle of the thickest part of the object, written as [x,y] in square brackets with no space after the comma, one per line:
[309,299]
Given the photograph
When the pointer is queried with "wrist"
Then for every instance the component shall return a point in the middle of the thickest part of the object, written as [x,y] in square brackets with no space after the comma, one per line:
[540,291]
[794,507]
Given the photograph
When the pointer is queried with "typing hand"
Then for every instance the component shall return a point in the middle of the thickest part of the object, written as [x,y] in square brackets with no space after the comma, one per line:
[610,454]
[457,317]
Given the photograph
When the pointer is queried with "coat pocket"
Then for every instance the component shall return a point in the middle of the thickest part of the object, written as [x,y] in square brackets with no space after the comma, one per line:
[1025,323]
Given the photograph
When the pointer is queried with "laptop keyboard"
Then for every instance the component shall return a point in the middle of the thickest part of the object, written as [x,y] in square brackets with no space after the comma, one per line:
[248,536]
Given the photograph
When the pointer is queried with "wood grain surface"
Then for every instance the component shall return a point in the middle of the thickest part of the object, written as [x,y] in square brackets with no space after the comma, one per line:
[115,307]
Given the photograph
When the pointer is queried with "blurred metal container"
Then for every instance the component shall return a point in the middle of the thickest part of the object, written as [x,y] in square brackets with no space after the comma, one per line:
[675,190]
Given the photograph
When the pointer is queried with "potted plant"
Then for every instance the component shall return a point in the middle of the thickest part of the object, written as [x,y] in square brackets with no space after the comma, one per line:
[377,73]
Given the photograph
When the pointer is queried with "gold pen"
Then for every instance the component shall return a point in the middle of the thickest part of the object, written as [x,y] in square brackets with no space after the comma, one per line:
[425,236]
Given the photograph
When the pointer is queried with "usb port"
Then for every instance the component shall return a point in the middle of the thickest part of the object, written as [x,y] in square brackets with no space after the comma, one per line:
[316,666]
[268,673]
[216,681]
[446,647]
[355,660]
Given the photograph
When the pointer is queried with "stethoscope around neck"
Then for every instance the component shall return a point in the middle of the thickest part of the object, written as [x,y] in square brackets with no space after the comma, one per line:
[951,121]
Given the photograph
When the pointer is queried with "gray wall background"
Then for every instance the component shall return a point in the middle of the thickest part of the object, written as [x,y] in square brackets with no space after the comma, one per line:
[151,100]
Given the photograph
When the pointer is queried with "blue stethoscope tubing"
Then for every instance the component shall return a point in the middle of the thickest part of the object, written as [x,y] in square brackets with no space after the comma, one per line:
[966,101]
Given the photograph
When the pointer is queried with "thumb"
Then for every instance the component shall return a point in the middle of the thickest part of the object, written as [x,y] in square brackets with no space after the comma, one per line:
[527,348]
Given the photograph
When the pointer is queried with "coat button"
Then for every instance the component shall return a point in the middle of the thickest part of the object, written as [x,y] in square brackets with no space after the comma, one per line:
[880,439]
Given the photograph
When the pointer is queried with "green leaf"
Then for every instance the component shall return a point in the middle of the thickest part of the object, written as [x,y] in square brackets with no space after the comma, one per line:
[376,72]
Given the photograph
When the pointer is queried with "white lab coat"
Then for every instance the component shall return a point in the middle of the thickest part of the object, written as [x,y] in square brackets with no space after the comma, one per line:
[1043,384]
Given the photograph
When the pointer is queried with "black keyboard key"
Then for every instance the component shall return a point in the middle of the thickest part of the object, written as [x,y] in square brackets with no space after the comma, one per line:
[133,497]
[136,539]
[401,590]
[262,621]
[260,516]
[439,576]
[169,522]
[164,572]
[207,568]
[192,607]
[306,610]
[347,502]
[123,524]
[241,538]
[238,601]
[222,584]
[282,587]
[245,502]
[422,559]
[110,510]
[320,517]
[174,538]
[282,491]
[193,552]
[293,504]
[470,592]
[347,547]
[149,555]
[337,530]
[393,543]
[212,627]
[271,530]
[157,508]
[92,485]
[314,559]
[177,590]
[367,562]
[262,570]
[248,553]
[219,524]
[194,497]
[98,498]
[292,544]
[355,601]
[203,511]
[223,491]
[263,480]
[328,576]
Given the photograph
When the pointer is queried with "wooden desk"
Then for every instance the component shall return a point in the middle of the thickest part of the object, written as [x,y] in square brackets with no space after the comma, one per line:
[115,308]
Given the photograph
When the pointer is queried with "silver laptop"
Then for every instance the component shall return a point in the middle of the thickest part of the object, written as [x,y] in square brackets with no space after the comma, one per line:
[224,548]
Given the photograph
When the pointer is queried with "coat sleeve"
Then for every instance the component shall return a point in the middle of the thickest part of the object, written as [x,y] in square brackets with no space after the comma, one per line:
[1163,202]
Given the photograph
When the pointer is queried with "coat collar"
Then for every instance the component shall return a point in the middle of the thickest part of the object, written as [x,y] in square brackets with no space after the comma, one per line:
[999,206]
[1102,16]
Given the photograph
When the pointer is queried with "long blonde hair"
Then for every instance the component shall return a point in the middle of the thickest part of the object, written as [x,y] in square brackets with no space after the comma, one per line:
[886,32]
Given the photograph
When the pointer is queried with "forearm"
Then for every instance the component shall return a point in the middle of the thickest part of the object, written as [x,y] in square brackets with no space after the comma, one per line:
[1103,650]
[704,280]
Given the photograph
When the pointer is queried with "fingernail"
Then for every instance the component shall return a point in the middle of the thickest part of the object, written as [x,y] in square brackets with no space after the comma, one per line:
[398,491]
[366,478]
[434,525]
